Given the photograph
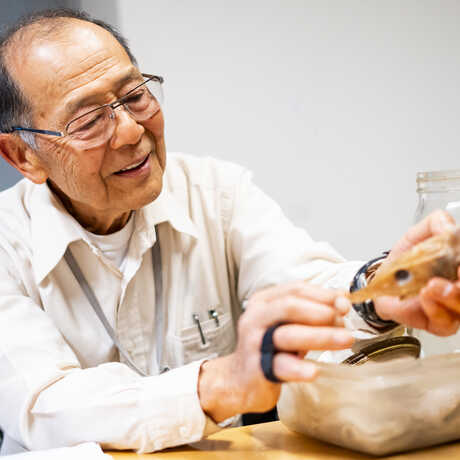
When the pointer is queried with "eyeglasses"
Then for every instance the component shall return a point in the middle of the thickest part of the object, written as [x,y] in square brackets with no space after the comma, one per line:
[96,127]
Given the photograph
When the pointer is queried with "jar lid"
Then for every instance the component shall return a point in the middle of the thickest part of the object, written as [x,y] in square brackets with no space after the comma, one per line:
[386,350]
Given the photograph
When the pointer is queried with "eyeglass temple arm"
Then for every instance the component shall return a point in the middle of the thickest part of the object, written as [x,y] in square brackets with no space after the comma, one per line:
[153,77]
[57,133]
[33,130]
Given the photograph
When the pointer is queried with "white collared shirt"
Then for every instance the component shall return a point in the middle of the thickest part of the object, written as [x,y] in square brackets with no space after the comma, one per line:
[61,382]
[114,246]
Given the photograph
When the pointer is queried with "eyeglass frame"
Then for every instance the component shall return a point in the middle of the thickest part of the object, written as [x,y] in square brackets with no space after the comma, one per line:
[113,105]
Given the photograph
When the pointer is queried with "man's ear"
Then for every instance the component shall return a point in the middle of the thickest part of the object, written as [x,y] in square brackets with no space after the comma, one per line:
[23,158]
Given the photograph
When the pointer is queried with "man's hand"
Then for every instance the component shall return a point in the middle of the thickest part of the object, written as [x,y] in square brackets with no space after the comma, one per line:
[235,384]
[437,308]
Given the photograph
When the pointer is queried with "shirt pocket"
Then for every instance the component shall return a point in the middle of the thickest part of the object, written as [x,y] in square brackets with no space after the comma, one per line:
[219,340]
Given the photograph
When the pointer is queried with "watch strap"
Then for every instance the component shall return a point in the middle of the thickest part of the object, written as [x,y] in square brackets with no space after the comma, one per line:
[366,310]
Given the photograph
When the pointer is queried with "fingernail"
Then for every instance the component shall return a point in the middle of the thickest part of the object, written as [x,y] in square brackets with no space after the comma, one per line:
[447,223]
[309,371]
[447,290]
[342,304]
[440,287]
[343,337]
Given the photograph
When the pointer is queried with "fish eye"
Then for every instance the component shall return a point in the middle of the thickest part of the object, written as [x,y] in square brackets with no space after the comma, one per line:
[402,276]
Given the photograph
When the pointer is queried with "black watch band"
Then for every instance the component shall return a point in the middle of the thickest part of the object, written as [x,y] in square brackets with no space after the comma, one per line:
[367,309]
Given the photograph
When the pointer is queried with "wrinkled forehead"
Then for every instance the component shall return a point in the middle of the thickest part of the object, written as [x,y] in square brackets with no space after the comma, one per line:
[80,55]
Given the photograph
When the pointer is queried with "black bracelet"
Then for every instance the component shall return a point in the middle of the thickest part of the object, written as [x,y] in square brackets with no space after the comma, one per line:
[367,309]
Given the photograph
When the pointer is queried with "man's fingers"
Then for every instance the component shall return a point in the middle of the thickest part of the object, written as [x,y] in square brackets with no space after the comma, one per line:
[294,337]
[297,310]
[434,224]
[342,304]
[288,367]
[408,312]
[441,221]
[436,309]
[298,302]
[299,289]
[444,292]
[339,322]
[440,320]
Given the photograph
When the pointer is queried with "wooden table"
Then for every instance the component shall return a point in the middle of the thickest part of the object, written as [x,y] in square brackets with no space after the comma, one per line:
[273,441]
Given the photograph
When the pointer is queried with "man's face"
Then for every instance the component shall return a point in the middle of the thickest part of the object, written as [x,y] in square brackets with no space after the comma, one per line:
[68,75]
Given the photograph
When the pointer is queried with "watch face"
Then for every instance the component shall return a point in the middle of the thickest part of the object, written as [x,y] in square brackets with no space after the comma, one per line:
[386,350]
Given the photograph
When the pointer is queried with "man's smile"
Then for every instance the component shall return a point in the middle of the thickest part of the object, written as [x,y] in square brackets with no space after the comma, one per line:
[136,167]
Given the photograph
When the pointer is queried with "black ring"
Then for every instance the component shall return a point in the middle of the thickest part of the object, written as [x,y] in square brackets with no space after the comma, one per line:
[268,351]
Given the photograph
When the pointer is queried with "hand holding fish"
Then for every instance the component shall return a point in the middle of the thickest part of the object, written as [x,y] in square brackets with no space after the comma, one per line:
[418,285]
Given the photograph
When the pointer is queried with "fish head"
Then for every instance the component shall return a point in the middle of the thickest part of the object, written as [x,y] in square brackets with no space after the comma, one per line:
[407,274]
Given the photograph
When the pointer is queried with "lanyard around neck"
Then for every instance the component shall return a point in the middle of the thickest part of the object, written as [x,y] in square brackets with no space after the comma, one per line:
[92,299]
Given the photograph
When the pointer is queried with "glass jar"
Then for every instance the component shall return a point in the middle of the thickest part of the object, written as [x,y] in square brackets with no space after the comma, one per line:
[438,190]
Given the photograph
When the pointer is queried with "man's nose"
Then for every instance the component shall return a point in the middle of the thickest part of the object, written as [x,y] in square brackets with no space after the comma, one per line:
[127,130]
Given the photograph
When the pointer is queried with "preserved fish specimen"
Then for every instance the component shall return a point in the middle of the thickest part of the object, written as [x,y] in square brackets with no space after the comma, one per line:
[406,275]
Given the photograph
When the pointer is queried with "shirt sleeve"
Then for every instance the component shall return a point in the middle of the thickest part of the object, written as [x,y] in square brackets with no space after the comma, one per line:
[268,249]
[49,401]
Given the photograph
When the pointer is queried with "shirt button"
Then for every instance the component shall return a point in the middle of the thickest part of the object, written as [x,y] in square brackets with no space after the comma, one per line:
[183,431]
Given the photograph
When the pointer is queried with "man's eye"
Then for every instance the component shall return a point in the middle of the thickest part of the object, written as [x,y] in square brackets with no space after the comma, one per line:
[88,124]
[134,97]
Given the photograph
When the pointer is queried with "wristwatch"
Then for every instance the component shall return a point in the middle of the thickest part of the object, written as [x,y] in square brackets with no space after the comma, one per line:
[366,310]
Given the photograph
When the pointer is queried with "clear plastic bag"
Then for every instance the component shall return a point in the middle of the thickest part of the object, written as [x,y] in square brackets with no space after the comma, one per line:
[378,408]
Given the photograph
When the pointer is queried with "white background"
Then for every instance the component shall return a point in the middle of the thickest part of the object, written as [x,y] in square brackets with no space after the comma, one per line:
[334,105]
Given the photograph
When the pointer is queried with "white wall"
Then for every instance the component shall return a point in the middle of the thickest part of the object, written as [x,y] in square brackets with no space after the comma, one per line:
[333,104]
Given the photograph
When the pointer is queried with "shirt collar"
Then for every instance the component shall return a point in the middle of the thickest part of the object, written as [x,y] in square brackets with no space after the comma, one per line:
[53,228]
[167,208]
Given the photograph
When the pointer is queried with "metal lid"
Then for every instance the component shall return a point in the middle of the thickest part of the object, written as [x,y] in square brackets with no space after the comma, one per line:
[386,350]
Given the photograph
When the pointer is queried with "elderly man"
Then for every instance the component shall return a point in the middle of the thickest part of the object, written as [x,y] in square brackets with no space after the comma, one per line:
[122,279]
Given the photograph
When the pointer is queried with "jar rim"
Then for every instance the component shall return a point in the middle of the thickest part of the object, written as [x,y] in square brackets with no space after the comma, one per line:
[447,174]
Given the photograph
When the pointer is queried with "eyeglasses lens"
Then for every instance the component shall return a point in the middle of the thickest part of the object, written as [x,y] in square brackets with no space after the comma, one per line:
[96,127]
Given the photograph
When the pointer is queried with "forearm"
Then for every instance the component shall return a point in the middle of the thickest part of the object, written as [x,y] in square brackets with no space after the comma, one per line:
[115,407]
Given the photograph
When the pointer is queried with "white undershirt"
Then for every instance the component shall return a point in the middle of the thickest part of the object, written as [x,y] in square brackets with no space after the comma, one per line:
[115,245]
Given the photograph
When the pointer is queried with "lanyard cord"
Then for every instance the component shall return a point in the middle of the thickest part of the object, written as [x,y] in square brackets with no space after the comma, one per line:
[92,299]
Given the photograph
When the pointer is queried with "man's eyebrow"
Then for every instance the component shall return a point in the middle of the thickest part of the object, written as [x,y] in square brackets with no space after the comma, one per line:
[74,104]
